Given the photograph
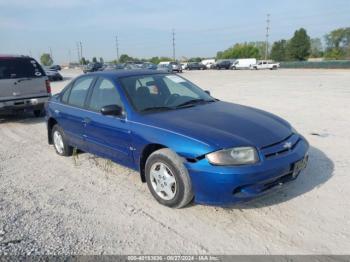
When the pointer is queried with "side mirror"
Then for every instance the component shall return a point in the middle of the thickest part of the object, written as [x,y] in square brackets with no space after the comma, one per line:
[207,91]
[112,110]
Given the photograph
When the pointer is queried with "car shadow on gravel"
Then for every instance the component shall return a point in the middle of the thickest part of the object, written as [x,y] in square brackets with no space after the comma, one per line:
[21,117]
[319,170]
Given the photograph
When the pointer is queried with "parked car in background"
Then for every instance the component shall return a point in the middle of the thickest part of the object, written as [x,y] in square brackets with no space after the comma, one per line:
[210,65]
[165,67]
[265,64]
[208,62]
[131,66]
[23,84]
[92,67]
[108,66]
[55,67]
[53,75]
[184,143]
[244,63]
[176,67]
[184,66]
[224,64]
[196,66]
[119,66]
[150,66]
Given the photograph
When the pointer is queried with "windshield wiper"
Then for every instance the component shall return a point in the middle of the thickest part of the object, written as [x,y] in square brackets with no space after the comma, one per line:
[155,108]
[194,101]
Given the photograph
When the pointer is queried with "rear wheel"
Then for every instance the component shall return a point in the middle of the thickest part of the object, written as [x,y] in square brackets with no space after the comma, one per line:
[168,179]
[59,142]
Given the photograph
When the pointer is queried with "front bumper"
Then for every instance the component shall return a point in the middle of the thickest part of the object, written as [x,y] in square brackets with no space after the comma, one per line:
[23,103]
[220,185]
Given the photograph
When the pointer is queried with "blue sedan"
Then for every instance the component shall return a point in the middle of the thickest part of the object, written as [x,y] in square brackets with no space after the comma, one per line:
[184,143]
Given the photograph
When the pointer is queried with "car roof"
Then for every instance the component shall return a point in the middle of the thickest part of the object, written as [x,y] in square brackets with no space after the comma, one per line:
[125,73]
[4,56]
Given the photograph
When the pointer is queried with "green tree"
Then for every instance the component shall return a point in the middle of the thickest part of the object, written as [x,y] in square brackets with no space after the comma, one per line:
[154,60]
[101,60]
[299,46]
[239,51]
[335,54]
[125,58]
[279,50]
[94,60]
[83,61]
[316,49]
[46,59]
[338,44]
[261,46]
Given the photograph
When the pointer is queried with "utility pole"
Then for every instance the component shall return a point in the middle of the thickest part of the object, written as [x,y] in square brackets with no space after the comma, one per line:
[51,53]
[81,49]
[78,52]
[117,46]
[174,45]
[267,36]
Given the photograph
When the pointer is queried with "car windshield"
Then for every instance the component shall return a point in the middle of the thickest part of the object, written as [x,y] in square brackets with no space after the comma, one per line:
[162,92]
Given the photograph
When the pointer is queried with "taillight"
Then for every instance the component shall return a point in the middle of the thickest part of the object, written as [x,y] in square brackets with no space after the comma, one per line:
[48,87]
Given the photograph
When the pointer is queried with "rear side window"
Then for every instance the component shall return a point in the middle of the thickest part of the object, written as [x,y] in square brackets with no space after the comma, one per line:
[19,68]
[66,95]
[79,91]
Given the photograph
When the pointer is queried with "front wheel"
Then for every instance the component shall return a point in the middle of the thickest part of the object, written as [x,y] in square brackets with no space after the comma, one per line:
[168,179]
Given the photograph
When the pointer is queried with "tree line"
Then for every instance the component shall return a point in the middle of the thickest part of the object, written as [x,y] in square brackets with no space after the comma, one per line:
[299,48]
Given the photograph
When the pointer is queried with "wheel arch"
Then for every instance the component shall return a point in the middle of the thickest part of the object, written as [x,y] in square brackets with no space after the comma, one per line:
[50,124]
[146,152]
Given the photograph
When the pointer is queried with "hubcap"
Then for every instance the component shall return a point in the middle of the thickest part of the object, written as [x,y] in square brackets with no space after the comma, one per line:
[163,181]
[58,141]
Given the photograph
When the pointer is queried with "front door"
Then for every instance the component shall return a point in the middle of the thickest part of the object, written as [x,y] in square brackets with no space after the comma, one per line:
[107,136]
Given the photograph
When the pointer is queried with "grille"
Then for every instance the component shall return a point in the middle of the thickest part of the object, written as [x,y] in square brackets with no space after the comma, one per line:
[280,148]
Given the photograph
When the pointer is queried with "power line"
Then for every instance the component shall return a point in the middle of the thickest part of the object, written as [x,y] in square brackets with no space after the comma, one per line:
[267,36]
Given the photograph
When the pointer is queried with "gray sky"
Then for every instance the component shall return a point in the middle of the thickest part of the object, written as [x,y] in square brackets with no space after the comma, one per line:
[202,27]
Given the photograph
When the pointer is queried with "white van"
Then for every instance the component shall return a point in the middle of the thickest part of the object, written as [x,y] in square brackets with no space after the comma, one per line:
[245,63]
[164,63]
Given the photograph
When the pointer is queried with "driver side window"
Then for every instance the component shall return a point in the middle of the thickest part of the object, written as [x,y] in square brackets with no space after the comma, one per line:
[104,94]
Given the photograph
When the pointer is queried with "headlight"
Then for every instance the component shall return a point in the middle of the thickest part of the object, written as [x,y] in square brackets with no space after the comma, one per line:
[234,156]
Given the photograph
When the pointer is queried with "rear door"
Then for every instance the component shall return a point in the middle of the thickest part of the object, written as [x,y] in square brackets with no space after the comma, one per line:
[21,77]
[73,114]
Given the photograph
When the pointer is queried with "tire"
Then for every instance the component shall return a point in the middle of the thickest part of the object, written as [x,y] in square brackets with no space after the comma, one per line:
[181,186]
[65,149]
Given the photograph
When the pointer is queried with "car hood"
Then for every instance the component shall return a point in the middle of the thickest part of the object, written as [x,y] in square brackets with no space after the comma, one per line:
[223,125]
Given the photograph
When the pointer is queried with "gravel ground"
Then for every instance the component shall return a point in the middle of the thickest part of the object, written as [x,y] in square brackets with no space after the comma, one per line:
[87,205]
